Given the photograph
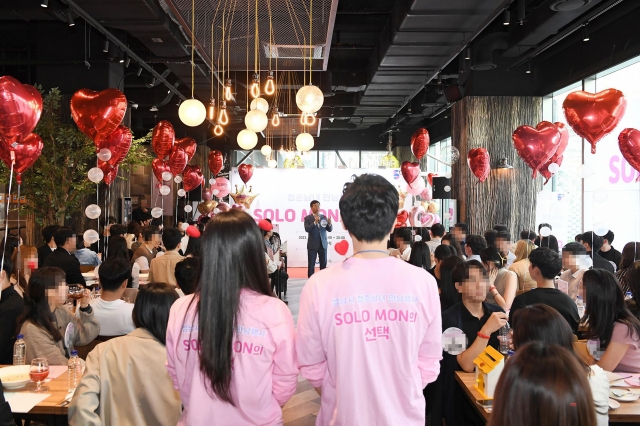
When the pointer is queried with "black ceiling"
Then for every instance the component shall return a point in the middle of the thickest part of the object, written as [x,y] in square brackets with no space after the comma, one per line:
[383,61]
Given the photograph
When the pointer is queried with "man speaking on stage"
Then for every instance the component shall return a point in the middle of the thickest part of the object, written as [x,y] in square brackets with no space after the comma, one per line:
[316,225]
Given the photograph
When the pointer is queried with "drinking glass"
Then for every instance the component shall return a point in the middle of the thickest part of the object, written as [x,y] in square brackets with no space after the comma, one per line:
[76,292]
[39,371]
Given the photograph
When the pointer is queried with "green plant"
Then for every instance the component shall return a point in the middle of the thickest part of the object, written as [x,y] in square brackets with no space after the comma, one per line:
[57,184]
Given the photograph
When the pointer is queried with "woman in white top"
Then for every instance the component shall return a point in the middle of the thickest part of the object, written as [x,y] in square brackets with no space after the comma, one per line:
[544,324]
[504,283]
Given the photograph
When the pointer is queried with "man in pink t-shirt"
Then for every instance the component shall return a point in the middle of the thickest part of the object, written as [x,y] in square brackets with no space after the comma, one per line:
[369,329]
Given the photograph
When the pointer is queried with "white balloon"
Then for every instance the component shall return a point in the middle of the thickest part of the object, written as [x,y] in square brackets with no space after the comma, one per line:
[545,231]
[584,171]
[91,236]
[215,191]
[156,212]
[181,192]
[166,176]
[188,208]
[95,174]
[447,216]
[212,181]
[600,229]
[600,195]
[447,175]
[553,167]
[165,190]
[447,188]
[184,226]
[177,179]
[92,211]
[104,154]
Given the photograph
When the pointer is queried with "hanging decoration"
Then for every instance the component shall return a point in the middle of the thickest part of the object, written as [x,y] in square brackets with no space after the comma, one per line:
[177,160]
[159,167]
[25,154]
[216,161]
[401,218]
[207,207]
[98,113]
[110,172]
[117,143]
[221,188]
[247,139]
[420,143]
[162,139]
[20,111]
[310,98]
[191,177]
[304,142]
[243,198]
[479,162]
[629,144]
[593,116]
[246,172]
[189,146]
[551,167]
[192,112]
[536,145]
[410,171]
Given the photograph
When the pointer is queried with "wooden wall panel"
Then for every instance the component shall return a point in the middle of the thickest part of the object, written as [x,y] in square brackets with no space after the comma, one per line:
[507,196]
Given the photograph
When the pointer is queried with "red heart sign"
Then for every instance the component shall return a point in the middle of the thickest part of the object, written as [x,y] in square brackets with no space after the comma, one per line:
[410,171]
[401,218]
[118,142]
[592,116]
[246,172]
[188,145]
[26,154]
[558,156]
[629,144]
[177,160]
[536,145]
[216,162]
[420,142]
[342,247]
[430,177]
[480,163]
[110,172]
[160,167]
[162,139]
[98,113]
[191,178]
[20,110]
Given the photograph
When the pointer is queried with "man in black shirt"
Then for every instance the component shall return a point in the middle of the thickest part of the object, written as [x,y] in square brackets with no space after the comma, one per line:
[11,306]
[593,244]
[49,245]
[544,266]
[479,322]
[63,257]
[608,252]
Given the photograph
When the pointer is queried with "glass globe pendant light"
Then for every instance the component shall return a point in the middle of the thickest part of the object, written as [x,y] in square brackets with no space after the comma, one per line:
[247,139]
[192,112]
[304,142]
[256,120]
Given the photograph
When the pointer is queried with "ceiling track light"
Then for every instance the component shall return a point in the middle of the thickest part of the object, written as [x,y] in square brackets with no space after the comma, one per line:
[506,17]
[44,3]
[105,49]
[528,71]
[70,20]
[467,53]
[139,71]
[585,33]
[521,12]
[127,61]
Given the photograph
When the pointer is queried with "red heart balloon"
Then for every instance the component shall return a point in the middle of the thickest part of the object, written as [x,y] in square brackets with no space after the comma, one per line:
[20,110]
[342,247]
[410,171]
[216,161]
[430,177]
[26,153]
[160,167]
[420,142]
[118,142]
[401,218]
[246,172]
[558,155]
[536,145]
[629,144]
[162,139]
[480,163]
[592,116]
[98,113]
[110,172]
[177,160]
[188,145]
[191,178]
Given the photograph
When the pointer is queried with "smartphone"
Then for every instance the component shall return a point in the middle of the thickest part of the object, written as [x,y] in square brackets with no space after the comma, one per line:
[485,403]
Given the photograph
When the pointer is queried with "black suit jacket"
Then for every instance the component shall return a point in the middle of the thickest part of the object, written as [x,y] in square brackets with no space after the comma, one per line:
[43,252]
[600,262]
[68,263]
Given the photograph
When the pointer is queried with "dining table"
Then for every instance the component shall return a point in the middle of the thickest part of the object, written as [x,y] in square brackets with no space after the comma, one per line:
[628,412]
[53,410]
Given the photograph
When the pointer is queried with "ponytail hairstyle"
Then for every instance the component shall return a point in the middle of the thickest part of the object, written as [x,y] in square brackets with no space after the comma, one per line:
[232,260]
[491,255]
[36,309]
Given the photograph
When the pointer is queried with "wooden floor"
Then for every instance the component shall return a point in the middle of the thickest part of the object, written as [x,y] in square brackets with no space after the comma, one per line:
[302,408]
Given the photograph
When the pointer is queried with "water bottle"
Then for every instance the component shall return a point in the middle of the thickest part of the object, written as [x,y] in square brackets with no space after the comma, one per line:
[74,371]
[19,351]
[580,306]
[503,337]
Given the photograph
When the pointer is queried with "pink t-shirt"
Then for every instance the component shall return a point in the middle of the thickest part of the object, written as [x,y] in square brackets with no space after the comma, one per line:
[630,362]
[264,368]
[369,333]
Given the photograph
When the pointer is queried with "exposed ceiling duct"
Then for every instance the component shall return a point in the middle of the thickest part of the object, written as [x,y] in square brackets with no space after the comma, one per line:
[482,58]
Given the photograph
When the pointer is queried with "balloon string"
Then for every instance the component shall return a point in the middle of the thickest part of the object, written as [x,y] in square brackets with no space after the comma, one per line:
[6,220]
[18,256]
[98,204]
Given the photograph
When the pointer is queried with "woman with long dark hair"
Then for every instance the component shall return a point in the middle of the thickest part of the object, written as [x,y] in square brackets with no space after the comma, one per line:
[194,247]
[504,283]
[630,254]
[610,321]
[451,242]
[117,249]
[633,282]
[441,252]
[449,295]
[230,345]
[543,385]
[45,319]
[420,255]
[542,323]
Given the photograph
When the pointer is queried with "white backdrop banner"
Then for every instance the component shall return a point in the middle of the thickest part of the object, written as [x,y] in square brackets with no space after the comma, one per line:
[284,197]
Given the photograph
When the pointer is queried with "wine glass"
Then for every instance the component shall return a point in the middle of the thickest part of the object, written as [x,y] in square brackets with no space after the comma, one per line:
[39,371]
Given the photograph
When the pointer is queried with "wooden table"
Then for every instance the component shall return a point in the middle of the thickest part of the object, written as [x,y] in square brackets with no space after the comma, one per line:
[629,412]
[48,410]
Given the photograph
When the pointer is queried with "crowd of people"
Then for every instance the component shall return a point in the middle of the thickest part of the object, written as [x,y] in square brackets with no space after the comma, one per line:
[207,342]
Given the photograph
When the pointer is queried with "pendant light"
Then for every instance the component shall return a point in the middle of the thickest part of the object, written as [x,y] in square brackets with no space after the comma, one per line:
[275,121]
[247,139]
[192,112]
[310,98]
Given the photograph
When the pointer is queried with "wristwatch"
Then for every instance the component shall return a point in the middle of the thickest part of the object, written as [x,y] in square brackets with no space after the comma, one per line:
[86,310]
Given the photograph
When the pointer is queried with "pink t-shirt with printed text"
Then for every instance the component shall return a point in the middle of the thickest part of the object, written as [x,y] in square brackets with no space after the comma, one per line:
[369,333]
[264,368]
